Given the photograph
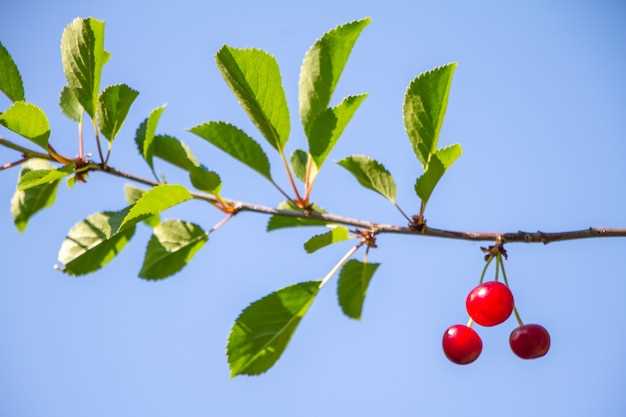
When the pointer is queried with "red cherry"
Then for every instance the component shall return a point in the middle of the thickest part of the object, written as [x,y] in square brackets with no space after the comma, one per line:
[461,344]
[490,303]
[530,341]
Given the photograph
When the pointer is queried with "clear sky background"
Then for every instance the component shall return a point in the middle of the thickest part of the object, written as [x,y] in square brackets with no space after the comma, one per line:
[538,104]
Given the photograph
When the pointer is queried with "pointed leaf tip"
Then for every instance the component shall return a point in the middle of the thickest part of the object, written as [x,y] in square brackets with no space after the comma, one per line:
[371,174]
[352,286]
[10,79]
[254,77]
[425,104]
[263,330]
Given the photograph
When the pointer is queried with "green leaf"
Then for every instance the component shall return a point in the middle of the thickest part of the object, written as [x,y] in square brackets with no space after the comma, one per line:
[94,242]
[114,103]
[205,180]
[37,177]
[28,121]
[335,235]
[322,66]
[154,201]
[26,204]
[10,78]
[236,143]
[425,104]
[144,136]
[174,151]
[262,331]
[371,174]
[437,166]
[328,127]
[299,160]
[70,105]
[83,56]
[171,247]
[133,194]
[254,77]
[277,222]
[354,280]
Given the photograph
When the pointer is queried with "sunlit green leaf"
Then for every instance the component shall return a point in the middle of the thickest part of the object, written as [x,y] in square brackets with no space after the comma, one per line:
[28,121]
[334,235]
[277,222]
[171,247]
[174,151]
[155,201]
[354,279]
[144,136]
[10,78]
[262,331]
[371,174]
[70,105]
[236,143]
[326,129]
[437,165]
[26,204]
[83,56]
[94,242]
[205,180]
[37,177]
[133,194]
[299,160]
[322,66]
[114,103]
[425,104]
[254,77]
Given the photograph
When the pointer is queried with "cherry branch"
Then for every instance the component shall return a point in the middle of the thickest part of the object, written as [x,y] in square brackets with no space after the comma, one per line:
[376,228]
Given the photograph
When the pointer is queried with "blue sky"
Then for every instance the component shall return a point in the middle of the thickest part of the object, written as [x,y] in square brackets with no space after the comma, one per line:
[538,104]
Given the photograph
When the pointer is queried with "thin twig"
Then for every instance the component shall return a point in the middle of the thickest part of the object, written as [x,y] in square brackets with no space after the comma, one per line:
[10,165]
[508,237]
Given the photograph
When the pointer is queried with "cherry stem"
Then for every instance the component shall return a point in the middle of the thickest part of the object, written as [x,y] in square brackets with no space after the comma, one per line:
[339,264]
[498,262]
[482,275]
[470,322]
[506,281]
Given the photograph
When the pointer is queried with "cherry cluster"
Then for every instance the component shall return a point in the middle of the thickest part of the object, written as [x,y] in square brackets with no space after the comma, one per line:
[489,304]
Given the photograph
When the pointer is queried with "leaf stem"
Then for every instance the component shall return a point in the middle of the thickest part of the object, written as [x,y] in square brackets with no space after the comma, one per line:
[283,192]
[81,141]
[402,212]
[339,264]
[97,132]
[292,182]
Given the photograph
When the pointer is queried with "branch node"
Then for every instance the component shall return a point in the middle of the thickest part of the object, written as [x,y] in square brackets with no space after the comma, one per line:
[495,249]
[418,223]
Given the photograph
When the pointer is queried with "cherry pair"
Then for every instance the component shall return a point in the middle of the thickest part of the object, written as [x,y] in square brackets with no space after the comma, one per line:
[490,304]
